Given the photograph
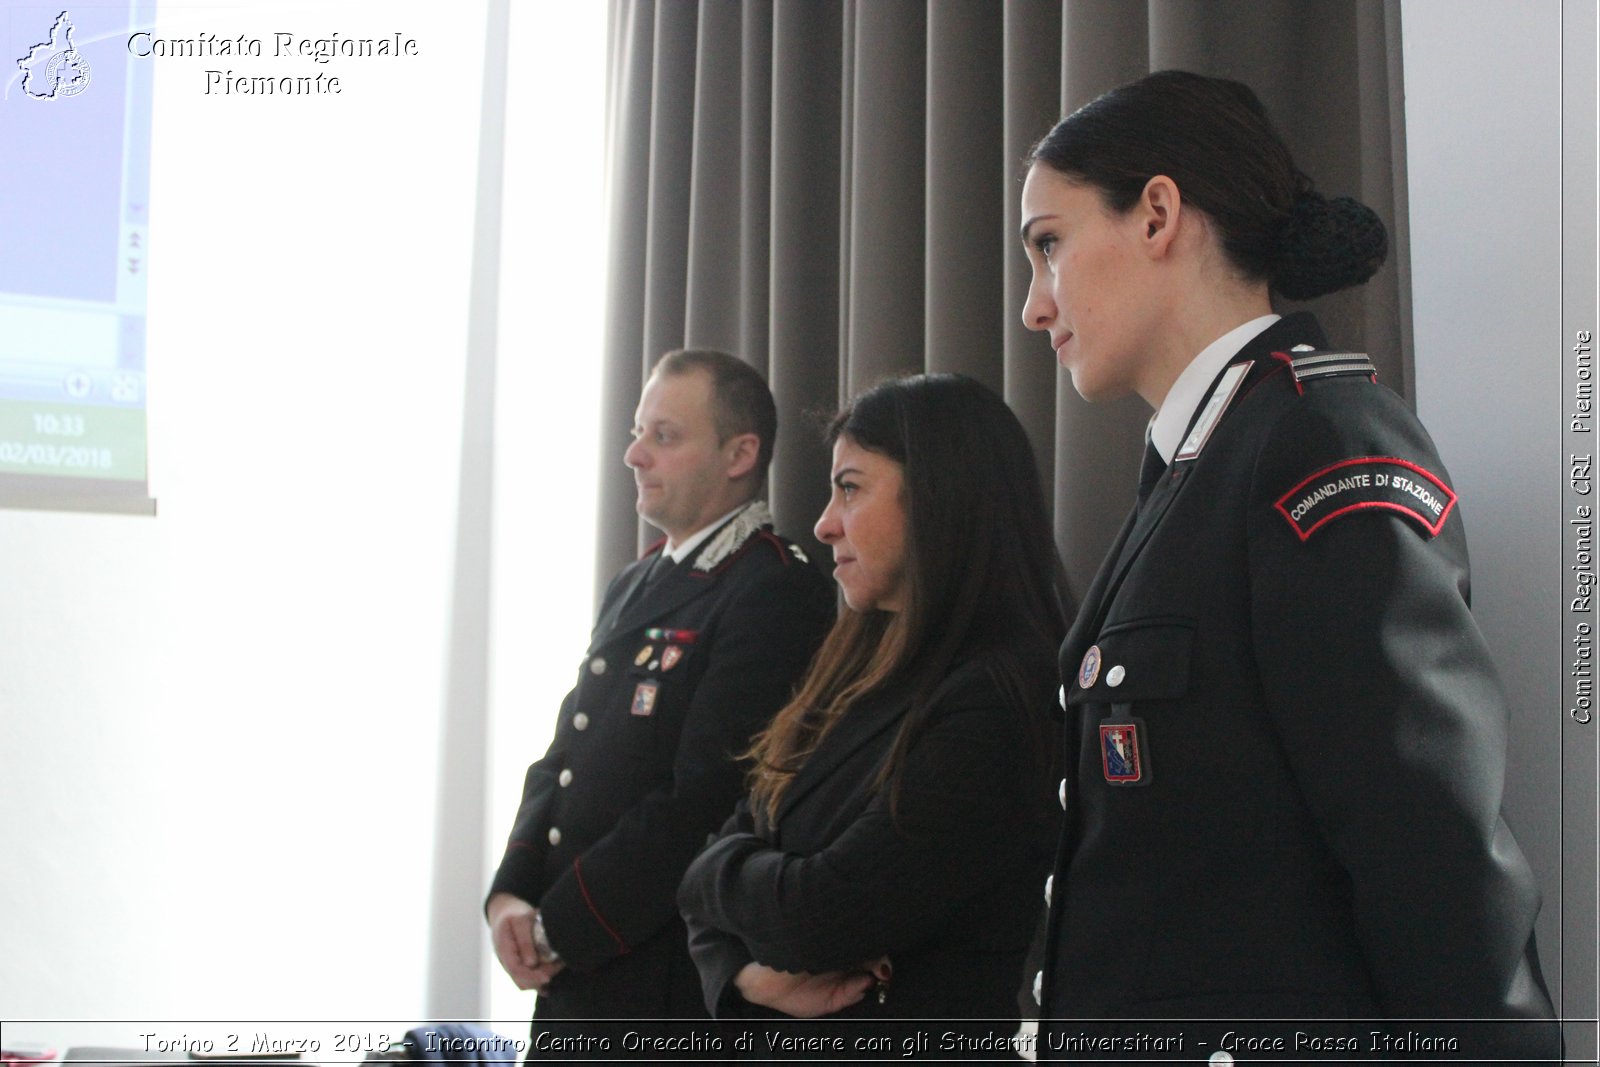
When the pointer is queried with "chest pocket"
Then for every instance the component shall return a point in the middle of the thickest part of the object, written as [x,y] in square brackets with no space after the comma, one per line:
[657,696]
[1137,663]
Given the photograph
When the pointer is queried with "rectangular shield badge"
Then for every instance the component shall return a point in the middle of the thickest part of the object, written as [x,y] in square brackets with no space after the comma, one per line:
[644,698]
[1122,752]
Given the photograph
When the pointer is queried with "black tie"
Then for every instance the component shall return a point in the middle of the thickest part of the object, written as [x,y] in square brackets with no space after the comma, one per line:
[660,567]
[1150,470]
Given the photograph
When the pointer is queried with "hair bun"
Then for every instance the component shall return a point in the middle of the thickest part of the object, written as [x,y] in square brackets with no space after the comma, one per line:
[1327,245]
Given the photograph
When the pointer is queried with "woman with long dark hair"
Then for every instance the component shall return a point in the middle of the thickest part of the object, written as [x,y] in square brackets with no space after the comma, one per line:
[1285,737]
[903,810]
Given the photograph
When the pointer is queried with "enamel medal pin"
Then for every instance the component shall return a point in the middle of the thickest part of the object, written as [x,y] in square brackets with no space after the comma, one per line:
[1122,751]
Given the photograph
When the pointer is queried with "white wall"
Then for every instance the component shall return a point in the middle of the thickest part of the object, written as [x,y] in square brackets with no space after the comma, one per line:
[216,769]
[1483,145]
[220,728]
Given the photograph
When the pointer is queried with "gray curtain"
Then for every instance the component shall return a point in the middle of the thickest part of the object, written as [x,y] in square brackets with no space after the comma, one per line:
[829,189]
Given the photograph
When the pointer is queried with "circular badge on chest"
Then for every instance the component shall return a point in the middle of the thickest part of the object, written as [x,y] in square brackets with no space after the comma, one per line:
[1089,669]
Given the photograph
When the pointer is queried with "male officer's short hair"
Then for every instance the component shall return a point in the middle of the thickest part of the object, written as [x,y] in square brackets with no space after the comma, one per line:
[740,399]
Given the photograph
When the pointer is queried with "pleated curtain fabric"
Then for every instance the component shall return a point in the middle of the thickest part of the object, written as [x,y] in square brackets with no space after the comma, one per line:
[829,190]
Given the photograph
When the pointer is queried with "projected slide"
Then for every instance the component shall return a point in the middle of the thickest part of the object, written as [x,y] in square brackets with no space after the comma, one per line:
[75,130]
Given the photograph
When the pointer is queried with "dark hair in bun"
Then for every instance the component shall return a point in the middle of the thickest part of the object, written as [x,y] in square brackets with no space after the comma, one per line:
[1327,245]
[1213,138]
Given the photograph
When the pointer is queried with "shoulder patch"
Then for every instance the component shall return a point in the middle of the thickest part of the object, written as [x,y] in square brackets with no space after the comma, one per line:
[1362,484]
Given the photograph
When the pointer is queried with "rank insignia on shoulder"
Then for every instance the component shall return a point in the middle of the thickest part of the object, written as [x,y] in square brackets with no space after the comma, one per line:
[1122,756]
[1367,483]
[799,553]
[670,658]
[644,698]
[1310,364]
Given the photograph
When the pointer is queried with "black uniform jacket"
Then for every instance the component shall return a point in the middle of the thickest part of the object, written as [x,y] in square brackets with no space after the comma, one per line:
[642,768]
[948,887]
[1315,828]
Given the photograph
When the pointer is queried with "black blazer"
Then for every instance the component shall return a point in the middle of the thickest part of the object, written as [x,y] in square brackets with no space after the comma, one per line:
[642,768]
[1316,833]
[949,887]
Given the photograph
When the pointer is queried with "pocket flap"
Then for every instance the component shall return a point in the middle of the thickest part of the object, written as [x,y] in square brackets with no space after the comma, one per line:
[1137,662]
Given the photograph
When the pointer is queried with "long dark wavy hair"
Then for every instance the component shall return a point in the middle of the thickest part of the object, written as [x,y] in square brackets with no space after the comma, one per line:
[984,579]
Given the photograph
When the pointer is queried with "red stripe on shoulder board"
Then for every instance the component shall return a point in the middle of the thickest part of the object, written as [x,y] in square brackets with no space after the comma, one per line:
[577,870]
[759,537]
[1367,483]
[777,544]
[1288,361]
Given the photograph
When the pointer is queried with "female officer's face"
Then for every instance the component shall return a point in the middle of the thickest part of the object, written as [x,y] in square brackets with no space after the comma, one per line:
[1087,290]
[865,525]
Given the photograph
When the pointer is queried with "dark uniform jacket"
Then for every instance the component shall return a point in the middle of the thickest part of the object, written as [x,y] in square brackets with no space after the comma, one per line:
[951,893]
[643,765]
[1314,828]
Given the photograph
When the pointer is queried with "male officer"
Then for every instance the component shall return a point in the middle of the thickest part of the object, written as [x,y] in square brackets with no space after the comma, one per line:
[697,644]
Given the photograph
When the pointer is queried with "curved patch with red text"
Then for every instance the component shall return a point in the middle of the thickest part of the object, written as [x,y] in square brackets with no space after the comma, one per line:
[1366,484]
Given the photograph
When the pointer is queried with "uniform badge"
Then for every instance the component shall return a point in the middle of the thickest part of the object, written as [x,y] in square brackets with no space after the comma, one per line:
[682,637]
[644,698]
[670,658]
[644,655]
[1215,405]
[1089,669]
[1367,483]
[1122,755]
[1309,364]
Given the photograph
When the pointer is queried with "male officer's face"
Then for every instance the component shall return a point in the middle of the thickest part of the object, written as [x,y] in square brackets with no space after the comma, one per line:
[680,468]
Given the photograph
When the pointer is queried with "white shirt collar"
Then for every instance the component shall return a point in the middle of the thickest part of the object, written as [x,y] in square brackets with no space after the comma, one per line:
[681,552]
[1187,393]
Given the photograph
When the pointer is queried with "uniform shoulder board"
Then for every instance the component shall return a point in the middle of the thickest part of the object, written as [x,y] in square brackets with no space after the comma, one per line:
[1309,364]
[1383,483]
[781,547]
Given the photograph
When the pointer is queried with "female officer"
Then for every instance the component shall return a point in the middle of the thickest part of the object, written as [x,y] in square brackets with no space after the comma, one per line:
[902,810]
[1285,738]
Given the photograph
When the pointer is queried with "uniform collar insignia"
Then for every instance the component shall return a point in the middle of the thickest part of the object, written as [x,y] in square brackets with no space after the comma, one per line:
[734,533]
[1222,394]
